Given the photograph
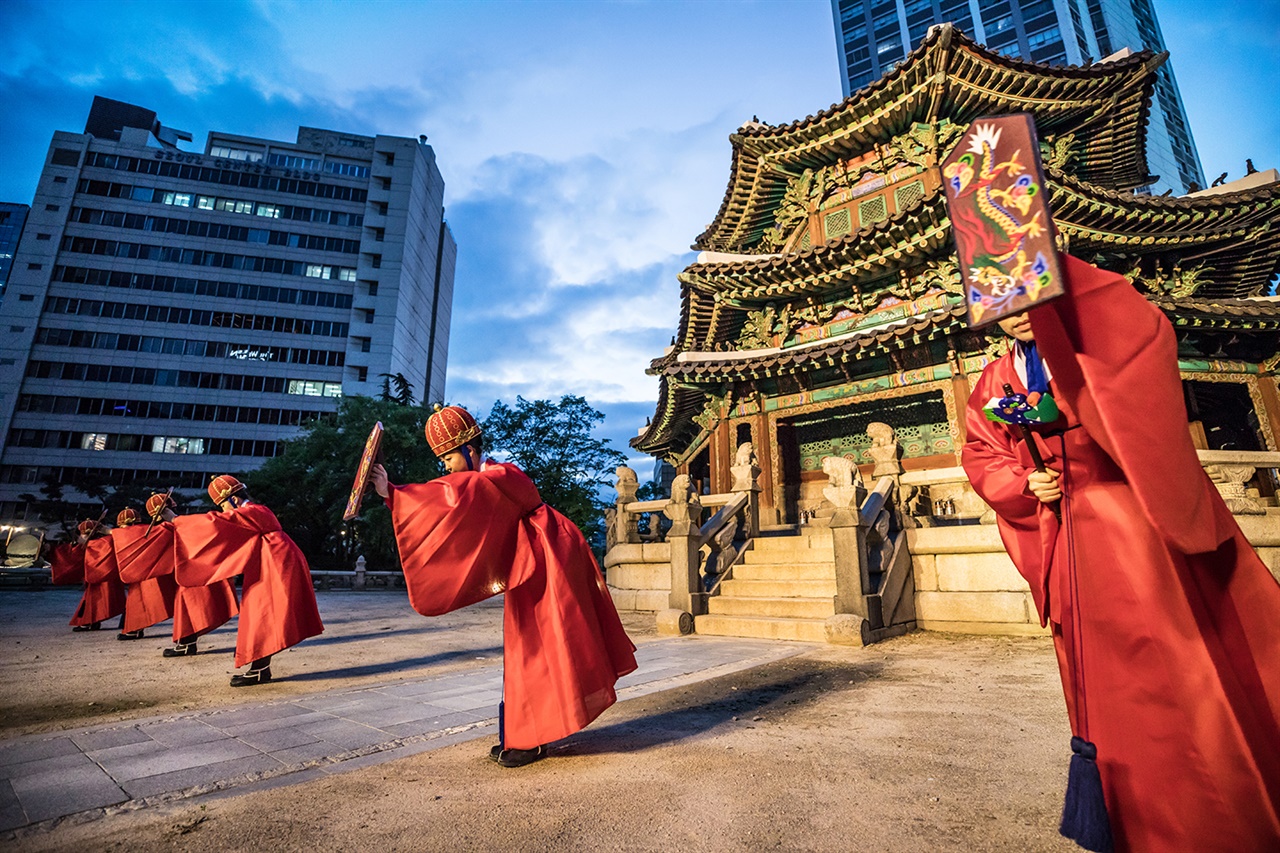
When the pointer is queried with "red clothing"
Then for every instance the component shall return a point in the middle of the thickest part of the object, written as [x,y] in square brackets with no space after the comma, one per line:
[277,601]
[1166,631]
[469,536]
[66,564]
[151,588]
[195,610]
[94,563]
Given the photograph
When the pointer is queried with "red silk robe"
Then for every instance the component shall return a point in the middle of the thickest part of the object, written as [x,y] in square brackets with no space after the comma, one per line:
[66,564]
[94,564]
[195,610]
[150,592]
[1168,629]
[469,536]
[277,601]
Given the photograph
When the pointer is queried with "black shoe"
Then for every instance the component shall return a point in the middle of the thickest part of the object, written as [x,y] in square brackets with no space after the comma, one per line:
[180,650]
[252,677]
[495,751]
[95,626]
[130,635]
[521,757]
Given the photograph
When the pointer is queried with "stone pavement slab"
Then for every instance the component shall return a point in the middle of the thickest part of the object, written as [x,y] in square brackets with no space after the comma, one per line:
[134,764]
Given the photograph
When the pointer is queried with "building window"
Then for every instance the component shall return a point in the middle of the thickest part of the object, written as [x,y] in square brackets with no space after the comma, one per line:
[1043,37]
[65,157]
[34,266]
[60,179]
[43,236]
[51,207]
[205,202]
[319,271]
[362,374]
[93,441]
[178,199]
[314,388]
[25,297]
[167,444]
[269,210]
[242,154]
[373,288]
[291,162]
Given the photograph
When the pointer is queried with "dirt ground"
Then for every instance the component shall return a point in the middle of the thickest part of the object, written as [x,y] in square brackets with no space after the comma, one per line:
[926,742]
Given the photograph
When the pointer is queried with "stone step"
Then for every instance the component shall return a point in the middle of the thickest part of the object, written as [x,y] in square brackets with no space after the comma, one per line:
[737,588]
[772,608]
[789,555]
[784,571]
[803,630]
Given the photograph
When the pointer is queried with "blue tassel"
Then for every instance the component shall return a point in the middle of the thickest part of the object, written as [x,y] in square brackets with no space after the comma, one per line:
[1084,814]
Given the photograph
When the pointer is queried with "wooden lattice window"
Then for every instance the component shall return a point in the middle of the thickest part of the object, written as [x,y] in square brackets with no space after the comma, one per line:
[909,196]
[837,224]
[805,241]
[873,210]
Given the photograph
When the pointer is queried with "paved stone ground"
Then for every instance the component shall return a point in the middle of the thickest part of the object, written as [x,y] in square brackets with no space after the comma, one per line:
[141,762]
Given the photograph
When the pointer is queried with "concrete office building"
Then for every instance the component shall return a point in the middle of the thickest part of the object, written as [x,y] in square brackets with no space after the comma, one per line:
[873,37]
[12,218]
[174,314]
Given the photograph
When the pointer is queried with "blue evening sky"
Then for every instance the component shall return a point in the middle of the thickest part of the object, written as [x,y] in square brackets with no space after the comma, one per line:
[584,145]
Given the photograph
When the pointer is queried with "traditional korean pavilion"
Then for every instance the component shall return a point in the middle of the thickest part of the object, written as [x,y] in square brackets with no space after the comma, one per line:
[827,296]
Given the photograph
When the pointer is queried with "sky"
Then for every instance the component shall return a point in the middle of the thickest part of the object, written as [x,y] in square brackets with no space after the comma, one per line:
[584,145]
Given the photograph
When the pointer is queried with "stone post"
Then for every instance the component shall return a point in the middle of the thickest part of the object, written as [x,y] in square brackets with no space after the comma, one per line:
[848,534]
[685,511]
[746,478]
[627,524]
[358,583]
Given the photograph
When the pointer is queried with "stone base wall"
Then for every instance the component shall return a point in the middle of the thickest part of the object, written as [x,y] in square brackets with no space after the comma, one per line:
[966,583]
[639,576]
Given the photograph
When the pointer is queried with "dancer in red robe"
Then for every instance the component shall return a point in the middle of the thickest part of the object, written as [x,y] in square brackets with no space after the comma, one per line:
[277,601]
[91,561]
[197,610]
[1165,622]
[483,530]
[150,594]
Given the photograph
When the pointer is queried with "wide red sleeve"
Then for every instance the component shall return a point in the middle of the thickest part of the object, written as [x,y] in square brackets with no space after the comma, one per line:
[100,560]
[212,548]
[457,538]
[1114,358]
[144,552]
[998,466]
[66,562]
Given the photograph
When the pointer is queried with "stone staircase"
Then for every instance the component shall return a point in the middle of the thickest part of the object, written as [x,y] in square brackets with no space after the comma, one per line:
[784,589]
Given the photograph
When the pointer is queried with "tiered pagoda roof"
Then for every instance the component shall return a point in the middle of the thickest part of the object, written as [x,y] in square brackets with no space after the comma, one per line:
[948,75]
[1203,259]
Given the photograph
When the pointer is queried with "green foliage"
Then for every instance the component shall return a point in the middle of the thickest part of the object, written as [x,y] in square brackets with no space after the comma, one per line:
[307,485]
[53,508]
[552,443]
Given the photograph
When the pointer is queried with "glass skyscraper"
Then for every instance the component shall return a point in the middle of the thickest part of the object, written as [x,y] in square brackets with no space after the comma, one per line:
[873,36]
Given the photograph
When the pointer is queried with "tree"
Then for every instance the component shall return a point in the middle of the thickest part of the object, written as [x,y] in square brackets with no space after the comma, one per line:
[308,483]
[552,443]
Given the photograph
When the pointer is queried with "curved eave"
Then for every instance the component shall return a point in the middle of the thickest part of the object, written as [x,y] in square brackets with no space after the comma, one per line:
[947,76]
[716,367]
[875,252]
[672,427]
[1237,235]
